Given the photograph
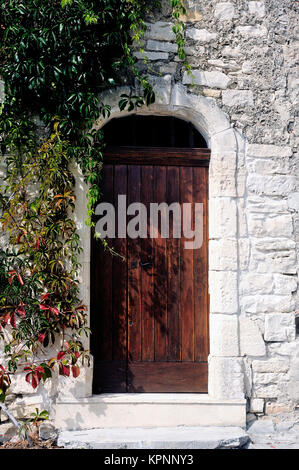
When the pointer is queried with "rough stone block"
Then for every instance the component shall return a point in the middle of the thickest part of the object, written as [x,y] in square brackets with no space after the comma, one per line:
[224,292]
[252,31]
[267,378]
[251,340]
[253,283]
[273,408]
[260,225]
[223,255]
[226,377]
[256,405]
[271,365]
[151,55]
[223,162]
[268,151]
[231,65]
[223,184]
[271,185]
[293,201]
[234,52]
[169,68]
[224,11]
[224,335]
[161,46]
[201,35]
[293,386]
[267,303]
[284,284]
[223,217]
[160,31]
[279,327]
[237,98]
[269,166]
[268,256]
[285,350]
[265,391]
[257,8]
[210,79]
[211,93]
[162,87]
[193,14]
[265,204]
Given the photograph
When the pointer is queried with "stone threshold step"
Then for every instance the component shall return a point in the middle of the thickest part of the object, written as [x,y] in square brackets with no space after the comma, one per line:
[148,410]
[179,437]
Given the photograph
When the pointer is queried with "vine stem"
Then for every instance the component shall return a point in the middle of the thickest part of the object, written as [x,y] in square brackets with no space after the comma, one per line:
[15,422]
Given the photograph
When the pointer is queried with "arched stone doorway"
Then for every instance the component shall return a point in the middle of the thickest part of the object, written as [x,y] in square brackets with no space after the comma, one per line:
[225,402]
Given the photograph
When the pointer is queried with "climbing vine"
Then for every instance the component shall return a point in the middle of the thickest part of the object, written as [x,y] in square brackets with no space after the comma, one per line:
[56,57]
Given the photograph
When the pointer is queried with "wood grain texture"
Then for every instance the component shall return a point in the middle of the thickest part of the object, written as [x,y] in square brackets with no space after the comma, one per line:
[167,377]
[157,156]
[151,331]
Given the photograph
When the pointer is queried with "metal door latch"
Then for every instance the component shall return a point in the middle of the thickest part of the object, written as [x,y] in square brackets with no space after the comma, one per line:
[148,264]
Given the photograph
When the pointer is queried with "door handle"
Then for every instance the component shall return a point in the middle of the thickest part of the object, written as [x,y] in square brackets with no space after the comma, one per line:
[148,264]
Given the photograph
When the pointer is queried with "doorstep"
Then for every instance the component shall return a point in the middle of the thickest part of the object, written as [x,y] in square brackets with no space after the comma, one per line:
[180,437]
[123,410]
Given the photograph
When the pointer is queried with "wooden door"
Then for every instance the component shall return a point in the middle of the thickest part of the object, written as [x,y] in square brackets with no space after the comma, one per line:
[149,312]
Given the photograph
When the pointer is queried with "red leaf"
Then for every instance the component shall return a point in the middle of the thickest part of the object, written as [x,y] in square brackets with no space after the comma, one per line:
[40,370]
[20,279]
[41,337]
[60,355]
[43,307]
[28,376]
[12,275]
[13,320]
[65,370]
[21,311]
[75,371]
[45,296]
[35,380]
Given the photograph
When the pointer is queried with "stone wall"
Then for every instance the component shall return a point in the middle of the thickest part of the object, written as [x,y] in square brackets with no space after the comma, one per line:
[243,57]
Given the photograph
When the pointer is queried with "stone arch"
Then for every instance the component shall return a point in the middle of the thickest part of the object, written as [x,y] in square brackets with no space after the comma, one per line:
[226,183]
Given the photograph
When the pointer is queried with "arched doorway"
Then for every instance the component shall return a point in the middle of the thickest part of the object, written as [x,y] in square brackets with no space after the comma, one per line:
[149,306]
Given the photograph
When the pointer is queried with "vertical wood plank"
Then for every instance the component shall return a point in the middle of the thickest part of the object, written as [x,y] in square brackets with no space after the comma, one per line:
[160,271]
[200,261]
[120,275]
[186,270]
[173,281]
[147,273]
[134,273]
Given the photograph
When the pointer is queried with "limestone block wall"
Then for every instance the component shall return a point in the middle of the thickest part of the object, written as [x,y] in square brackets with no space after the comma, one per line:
[243,58]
